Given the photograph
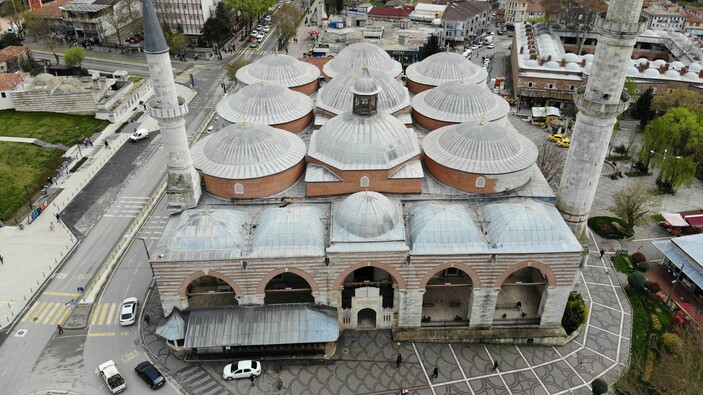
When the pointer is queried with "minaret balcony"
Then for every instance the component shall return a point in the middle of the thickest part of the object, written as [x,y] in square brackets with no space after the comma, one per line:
[610,27]
[600,108]
[158,111]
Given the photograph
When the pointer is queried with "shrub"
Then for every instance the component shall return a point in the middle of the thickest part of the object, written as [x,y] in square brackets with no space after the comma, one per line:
[599,386]
[648,367]
[656,322]
[670,342]
[78,164]
[653,287]
[636,280]
[643,267]
[575,313]
[638,257]
[620,149]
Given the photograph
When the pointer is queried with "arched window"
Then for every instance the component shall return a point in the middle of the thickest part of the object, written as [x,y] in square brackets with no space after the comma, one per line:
[364,182]
[480,182]
[238,189]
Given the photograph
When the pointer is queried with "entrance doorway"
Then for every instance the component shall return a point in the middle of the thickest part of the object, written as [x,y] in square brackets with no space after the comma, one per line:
[366,319]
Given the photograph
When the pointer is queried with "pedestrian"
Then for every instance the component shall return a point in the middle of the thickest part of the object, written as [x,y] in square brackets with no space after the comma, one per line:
[2,260]
[398,361]
[252,380]
[90,142]
[50,181]
[58,218]
[60,328]
[435,373]
[602,252]
[146,318]
[519,305]
[495,365]
[107,144]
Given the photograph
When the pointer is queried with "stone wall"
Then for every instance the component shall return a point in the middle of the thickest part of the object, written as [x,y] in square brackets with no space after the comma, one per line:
[65,103]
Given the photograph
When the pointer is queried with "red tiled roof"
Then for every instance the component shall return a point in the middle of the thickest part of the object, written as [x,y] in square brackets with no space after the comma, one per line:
[50,10]
[11,52]
[690,17]
[535,6]
[390,12]
[463,10]
[319,62]
[9,81]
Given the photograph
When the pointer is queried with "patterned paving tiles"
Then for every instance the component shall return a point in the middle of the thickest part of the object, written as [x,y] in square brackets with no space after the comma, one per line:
[625,351]
[615,373]
[603,295]
[573,345]
[539,355]
[473,359]
[588,364]
[604,342]
[557,376]
[523,383]
[508,357]
[492,385]
[584,390]
[605,318]
[453,389]
[440,356]
[596,275]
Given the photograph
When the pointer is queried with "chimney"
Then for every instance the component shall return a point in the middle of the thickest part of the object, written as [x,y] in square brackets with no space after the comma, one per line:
[683,70]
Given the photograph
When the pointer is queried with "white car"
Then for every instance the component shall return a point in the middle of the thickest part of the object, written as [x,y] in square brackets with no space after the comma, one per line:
[241,370]
[139,134]
[260,37]
[491,46]
[475,47]
[259,27]
[128,316]
[267,28]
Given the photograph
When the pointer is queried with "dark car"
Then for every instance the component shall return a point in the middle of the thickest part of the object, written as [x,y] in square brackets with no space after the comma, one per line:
[147,371]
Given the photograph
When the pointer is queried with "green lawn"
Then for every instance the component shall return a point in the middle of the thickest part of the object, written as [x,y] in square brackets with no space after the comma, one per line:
[622,263]
[23,164]
[609,227]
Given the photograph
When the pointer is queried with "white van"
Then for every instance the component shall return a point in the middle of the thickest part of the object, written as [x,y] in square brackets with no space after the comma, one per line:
[139,134]
[467,54]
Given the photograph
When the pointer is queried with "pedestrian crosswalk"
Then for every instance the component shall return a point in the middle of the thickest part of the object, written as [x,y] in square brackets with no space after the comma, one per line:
[127,206]
[52,313]
[254,51]
[196,380]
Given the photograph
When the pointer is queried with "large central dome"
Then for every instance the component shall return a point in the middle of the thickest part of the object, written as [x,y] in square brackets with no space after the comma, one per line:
[354,56]
[279,69]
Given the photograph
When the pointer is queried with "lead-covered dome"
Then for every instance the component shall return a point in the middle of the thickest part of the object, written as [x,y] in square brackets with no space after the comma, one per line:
[353,56]
[337,97]
[444,67]
[268,104]
[279,69]
[456,102]
[355,142]
[245,151]
[366,214]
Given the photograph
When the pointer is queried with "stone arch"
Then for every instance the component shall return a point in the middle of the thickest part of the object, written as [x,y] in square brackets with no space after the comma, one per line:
[544,269]
[475,279]
[260,289]
[200,273]
[339,282]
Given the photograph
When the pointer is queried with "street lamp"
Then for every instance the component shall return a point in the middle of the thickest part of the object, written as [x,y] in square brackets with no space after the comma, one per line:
[676,282]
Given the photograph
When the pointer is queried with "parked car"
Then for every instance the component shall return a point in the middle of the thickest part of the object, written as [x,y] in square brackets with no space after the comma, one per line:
[129,311]
[241,370]
[267,28]
[253,33]
[151,376]
[254,44]
[491,46]
[259,27]
[475,47]
[139,134]
[267,18]
[260,37]
[565,142]
[556,137]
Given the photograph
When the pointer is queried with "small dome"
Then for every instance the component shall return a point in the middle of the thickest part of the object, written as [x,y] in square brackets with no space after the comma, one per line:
[355,142]
[443,67]
[572,67]
[336,96]
[443,228]
[691,76]
[278,232]
[695,67]
[531,63]
[587,68]
[658,63]
[486,148]
[209,230]
[264,103]
[572,57]
[366,214]
[676,65]
[278,69]
[460,102]
[642,61]
[551,65]
[651,73]
[672,74]
[353,56]
[633,72]
[365,85]
[588,57]
[244,151]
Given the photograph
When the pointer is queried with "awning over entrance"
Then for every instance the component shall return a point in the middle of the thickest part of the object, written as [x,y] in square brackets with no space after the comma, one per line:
[262,325]
[685,251]
[675,219]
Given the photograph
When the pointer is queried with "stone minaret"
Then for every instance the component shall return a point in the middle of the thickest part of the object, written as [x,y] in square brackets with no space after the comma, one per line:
[183,182]
[598,103]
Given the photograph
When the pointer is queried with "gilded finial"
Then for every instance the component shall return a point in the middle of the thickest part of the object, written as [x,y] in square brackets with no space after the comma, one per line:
[482,121]
[262,83]
[244,118]
[364,63]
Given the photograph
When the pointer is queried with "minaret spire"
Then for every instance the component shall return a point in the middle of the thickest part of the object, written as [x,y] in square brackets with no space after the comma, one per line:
[183,181]
[599,103]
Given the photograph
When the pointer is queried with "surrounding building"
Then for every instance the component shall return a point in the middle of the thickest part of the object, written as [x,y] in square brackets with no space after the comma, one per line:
[9,83]
[11,56]
[100,20]
[389,13]
[664,16]
[520,11]
[463,20]
[694,22]
[427,12]
[190,15]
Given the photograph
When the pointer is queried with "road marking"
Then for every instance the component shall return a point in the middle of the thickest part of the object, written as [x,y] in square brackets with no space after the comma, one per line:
[111,315]
[51,314]
[55,318]
[102,316]
[66,314]
[68,294]
[95,314]
[33,311]
[101,334]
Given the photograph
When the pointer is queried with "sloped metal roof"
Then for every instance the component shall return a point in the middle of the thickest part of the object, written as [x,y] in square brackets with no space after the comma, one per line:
[444,229]
[199,231]
[262,325]
[337,97]
[412,169]
[526,227]
[356,142]
[278,69]
[458,101]
[480,147]
[364,84]
[319,173]
[353,56]
[692,246]
[174,328]
[264,103]
[692,263]
[444,67]
[291,231]
[245,151]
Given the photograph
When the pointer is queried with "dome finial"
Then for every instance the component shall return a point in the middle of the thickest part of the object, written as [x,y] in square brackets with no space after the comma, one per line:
[365,63]
[244,122]
[262,83]
[461,81]
[482,121]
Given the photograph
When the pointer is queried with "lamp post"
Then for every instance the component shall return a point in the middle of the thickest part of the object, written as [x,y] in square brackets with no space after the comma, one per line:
[676,282]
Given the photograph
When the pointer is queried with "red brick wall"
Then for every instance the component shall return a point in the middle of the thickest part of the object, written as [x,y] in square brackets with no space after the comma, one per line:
[296,126]
[429,123]
[351,182]
[416,87]
[308,88]
[255,187]
[458,179]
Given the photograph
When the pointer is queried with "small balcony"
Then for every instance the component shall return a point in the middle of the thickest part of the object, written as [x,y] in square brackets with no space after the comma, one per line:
[598,108]
[617,28]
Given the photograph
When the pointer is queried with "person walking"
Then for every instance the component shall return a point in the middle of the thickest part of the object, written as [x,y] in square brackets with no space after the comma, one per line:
[252,378]
[60,328]
[58,218]
[602,252]
[2,260]
[398,361]
[435,373]
[146,318]
[495,365]
[107,144]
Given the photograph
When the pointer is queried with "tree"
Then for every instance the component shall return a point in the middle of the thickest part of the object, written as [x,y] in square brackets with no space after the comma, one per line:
[550,162]
[218,27]
[643,108]
[250,9]
[636,280]
[176,41]
[125,15]
[599,386]
[40,27]
[575,313]
[681,371]
[431,47]
[234,66]
[13,11]
[7,39]
[73,57]
[689,100]
[286,21]
[574,15]
[634,203]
